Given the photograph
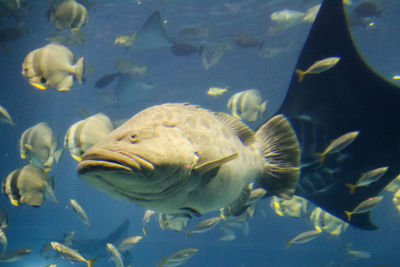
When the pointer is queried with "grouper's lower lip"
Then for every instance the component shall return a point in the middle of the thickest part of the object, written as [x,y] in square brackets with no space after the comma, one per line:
[115,160]
[87,165]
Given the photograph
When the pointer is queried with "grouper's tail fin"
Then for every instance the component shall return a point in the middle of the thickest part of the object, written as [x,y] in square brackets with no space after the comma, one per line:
[281,150]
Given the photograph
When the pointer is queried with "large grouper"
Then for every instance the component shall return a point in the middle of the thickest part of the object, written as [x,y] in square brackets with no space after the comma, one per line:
[175,158]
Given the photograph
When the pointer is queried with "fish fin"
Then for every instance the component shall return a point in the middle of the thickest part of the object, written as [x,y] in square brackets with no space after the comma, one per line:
[14,202]
[301,74]
[245,134]
[238,206]
[57,155]
[211,165]
[188,233]
[263,107]
[348,214]
[192,211]
[281,151]
[352,187]
[78,70]
[90,262]
[29,147]
[320,157]
[163,261]
[253,116]
[38,86]
[63,89]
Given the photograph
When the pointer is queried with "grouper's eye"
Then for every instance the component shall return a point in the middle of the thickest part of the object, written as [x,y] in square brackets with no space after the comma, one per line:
[133,138]
[43,80]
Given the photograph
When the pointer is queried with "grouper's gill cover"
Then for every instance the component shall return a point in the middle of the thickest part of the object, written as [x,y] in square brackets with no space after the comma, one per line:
[176,157]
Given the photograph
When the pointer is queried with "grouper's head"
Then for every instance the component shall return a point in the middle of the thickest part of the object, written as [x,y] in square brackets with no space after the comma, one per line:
[145,165]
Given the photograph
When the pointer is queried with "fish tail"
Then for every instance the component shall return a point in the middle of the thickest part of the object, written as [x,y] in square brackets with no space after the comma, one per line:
[57,155]
[351,187]
[320,157]
[78,73]
[281,151]
[288,244]
[348,213]
[301,74]
[90,262]
[188,233]
[163,261]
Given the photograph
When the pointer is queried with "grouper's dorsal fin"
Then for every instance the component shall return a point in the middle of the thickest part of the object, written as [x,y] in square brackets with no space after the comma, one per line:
[246,135]
[281,150]
[214,164]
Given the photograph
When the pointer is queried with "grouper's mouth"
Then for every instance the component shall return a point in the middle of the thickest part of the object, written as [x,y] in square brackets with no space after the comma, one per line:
[129,176]
[117,160]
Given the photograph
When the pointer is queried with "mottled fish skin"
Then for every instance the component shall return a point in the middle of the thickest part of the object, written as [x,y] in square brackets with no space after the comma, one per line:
[194,136]
[196,159]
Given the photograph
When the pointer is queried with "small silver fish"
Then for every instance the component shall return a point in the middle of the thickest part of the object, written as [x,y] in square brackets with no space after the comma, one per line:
[16,255]
[71,254]
[364,206]
[318,67]
[79,212]
[338,144]
[129,242]
[204,225]
[178,257]
[146,219]
[304,237]
[115,255]
[361,254]
[368,178]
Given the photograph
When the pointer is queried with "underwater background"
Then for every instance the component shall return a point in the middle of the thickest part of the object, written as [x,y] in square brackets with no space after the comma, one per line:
[174,78]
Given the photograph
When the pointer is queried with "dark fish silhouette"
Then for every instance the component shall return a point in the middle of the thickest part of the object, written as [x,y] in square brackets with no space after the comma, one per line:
[350,97]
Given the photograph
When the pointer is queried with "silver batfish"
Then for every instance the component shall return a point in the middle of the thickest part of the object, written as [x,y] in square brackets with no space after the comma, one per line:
[180,158]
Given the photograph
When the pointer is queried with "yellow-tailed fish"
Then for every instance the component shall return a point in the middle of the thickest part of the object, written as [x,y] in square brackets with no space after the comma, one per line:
[71,254]
[338,144]
[367,178]
[318,67]
[364,206]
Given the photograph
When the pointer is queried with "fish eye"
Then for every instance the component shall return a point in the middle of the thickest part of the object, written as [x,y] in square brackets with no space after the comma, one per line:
[43,80]
[133,138]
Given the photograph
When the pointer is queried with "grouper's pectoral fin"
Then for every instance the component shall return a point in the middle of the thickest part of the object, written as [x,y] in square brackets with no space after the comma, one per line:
[281,152]
[207,170]
[349,96]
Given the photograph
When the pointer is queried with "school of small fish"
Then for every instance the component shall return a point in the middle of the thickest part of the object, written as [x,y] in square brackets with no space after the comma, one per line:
[55,66]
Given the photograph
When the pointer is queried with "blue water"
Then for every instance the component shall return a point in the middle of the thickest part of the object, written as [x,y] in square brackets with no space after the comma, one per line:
[178,79]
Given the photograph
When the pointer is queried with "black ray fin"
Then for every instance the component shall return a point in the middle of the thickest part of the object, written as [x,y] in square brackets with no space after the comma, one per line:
[152,35]
[348,97]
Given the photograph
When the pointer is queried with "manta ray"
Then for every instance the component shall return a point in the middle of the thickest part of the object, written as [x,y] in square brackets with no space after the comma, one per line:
[349,97]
